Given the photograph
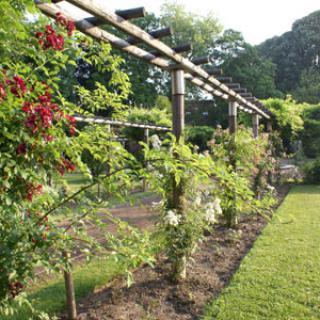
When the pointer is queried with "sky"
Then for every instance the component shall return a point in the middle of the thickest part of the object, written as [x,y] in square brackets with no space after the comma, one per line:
[257,20]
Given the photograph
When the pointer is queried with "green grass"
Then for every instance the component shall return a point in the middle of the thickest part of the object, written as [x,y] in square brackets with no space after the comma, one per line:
[49,296]
[280,278]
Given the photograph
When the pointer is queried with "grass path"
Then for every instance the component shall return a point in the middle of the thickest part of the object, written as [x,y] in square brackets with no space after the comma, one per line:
[280,278]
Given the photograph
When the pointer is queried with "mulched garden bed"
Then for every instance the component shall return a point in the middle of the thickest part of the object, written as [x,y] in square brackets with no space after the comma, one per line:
[153,296]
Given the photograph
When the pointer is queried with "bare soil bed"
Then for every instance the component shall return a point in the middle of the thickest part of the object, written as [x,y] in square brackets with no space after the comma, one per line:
[154,296]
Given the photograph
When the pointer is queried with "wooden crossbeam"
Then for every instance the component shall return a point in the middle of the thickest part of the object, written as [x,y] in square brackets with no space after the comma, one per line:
[241,90]
[157,34]
[233,85]
[246,95]
[225,79]
[107,121]
[178,49]
[201,60]
[132,13]
[215,72]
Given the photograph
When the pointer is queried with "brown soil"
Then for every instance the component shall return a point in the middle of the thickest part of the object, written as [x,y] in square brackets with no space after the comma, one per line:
[154,296]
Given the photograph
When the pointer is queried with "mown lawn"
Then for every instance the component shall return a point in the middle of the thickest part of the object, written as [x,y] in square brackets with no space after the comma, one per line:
[280,278]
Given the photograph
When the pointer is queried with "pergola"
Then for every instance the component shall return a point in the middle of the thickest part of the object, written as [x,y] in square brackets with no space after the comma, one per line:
[163,57]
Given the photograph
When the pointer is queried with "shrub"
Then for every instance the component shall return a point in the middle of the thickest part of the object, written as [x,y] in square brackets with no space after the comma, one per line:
[310,135]
[153,116]
[199,135]
[312,172]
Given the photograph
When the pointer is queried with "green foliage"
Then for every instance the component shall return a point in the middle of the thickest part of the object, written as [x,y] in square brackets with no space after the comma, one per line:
[163,103]
[311,131]
[183,220]
[199,136]
[312,172]
[130,248]
[296,56]
[249,165]
[156,116]
[99,83]
[38,140]
[254,72]
[287,118]
[308,89]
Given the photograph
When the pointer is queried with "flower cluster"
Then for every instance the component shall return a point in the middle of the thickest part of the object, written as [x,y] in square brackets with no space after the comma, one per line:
[50,39]
[155,142]
[15,288]
[33,190]
[212,209]
[171,218]
[65,165]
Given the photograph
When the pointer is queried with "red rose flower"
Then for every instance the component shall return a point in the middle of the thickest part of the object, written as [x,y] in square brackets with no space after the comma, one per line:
[70,27]
[22,149]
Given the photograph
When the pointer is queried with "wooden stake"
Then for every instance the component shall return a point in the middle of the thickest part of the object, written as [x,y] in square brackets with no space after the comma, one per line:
[255,125]
[232,117]
[70,295]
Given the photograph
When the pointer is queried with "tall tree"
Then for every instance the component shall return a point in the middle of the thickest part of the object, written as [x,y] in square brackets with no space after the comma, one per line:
[243,63]
[294,53]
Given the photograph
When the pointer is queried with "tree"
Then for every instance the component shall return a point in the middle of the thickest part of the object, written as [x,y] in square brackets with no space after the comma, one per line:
[243,63]
[309,86]
[294,53]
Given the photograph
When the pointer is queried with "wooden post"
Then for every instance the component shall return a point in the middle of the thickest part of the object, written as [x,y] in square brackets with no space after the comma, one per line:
[146,141]
[269,126]
[179,268]
[178,92]
[232,117]
[71,300]
[255,125]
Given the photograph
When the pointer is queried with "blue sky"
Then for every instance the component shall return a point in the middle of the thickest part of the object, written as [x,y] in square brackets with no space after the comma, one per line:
[256,19]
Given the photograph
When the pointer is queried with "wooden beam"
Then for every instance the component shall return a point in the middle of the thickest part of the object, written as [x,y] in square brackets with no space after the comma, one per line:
[246,95]
[157,34]
[224,79]
[178,49]
[201,60]
[134,13]
[106,121]
[233,85]
[100,11]
[215,72]
[240,90]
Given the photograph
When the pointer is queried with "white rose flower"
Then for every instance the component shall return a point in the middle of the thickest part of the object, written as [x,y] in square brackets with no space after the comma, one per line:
[217,206]
[171,218]
[155,142]
[271,188]
[210,215]
[197,201]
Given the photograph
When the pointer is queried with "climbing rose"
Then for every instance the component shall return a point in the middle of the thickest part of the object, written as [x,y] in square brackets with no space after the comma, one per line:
[2,92]
[22,149]
[171,218]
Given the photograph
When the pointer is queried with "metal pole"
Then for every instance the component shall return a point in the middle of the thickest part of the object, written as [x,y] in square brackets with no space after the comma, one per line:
[255,125]
[232,117]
